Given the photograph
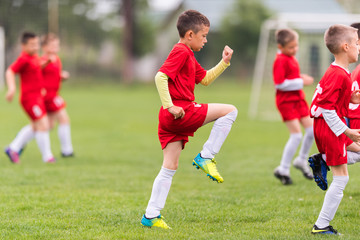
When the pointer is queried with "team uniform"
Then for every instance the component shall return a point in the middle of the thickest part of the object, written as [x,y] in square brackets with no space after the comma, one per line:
[184,72]
[52,82]
[31,99]
[291,104]
[332,93]
[354,110]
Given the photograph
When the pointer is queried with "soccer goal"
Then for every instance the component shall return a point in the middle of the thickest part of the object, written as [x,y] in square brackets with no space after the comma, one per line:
[2,58]
[313,56]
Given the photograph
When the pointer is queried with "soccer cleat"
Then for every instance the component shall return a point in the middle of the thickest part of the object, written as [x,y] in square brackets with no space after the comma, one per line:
[13,156]
[319,169]
[284,179]
[154,222]
[303,167]
[51,160]
[325,230]
[66,155]
[209,167]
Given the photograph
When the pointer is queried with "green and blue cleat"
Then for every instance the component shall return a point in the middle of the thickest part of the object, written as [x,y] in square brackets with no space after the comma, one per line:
[154,222]
[209,167]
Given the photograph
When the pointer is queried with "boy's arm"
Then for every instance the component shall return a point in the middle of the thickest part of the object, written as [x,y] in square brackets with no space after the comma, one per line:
[215,72]
[161,81]
[290,85]
[11,84]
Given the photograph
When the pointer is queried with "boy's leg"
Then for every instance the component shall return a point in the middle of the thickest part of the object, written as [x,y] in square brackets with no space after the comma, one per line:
[161,186]
[224,116]
[353,153]
[25,135]
[283,171]
[332,198]
[64,132]
[43,139]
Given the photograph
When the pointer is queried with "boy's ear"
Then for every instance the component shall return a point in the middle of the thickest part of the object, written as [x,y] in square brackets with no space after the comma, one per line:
[189,34]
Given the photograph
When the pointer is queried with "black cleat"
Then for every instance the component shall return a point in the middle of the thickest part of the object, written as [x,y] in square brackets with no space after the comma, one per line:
[326,230]
[319,168]
[67,155]
[285,180]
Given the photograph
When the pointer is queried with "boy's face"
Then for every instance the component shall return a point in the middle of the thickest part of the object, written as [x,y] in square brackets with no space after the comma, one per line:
[353,48]
[32,46]
[289,49]
[52,47]
[198,40]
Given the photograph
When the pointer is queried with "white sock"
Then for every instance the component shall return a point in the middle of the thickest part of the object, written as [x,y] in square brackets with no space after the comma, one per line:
[332,200]
[306,143]
[64,134]
[219,132]
[353,157]
[22,138]
[43,142]
[159,192]
[289,152]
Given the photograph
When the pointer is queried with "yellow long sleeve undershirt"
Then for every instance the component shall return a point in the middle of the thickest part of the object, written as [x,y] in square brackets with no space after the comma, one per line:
[161,81]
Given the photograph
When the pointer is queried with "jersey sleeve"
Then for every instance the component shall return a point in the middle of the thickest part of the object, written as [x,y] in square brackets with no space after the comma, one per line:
[18,65]
[200,73]
[279,71]
[174,62]
[330,93]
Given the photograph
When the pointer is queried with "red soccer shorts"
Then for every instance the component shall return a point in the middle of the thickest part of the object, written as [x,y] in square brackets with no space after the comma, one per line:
[54,104]
[172,130]
[293,110]
[327,143]
[354,123]
[34,107]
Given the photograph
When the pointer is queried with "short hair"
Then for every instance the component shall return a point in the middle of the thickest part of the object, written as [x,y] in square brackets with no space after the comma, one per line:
[286,35]
[45,39]
[336,35]
[356,25]
[191,20]
[26,36]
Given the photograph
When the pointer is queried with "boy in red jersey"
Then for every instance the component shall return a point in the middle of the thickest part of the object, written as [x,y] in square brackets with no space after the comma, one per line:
[28,66]
[291,103]
[180,116]
[329,106]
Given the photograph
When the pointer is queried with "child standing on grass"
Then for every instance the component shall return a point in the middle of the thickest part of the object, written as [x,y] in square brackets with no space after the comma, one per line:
[291,103]
[180,116]
[31,99]
[329,107]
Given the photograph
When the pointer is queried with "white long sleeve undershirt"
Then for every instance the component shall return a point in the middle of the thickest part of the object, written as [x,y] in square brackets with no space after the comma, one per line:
[334,122]
[290,85]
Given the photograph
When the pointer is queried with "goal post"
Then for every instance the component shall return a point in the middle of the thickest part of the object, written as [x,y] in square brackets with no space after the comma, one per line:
[2,58]
[311,28]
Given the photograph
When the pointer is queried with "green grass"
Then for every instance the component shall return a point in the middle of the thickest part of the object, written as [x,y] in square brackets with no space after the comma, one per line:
[103,191]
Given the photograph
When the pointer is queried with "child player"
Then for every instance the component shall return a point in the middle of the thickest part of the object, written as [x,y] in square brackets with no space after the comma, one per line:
[329,107]
[180,116]
[31,99]
[291,103]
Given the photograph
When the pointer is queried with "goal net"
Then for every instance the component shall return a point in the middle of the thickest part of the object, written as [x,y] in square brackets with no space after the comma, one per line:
[313,56]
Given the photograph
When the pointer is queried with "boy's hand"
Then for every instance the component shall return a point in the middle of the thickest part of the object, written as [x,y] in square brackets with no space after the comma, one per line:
[177,112]
[355,97]
[227,54]
[10,95]
[308,80]
[353,134]
[65,75]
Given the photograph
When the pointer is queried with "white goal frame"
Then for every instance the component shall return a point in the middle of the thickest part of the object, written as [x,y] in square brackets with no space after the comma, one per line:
[2,58]
[310,21]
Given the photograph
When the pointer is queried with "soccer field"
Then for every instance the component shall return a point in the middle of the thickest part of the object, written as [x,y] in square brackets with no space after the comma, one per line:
[103,191]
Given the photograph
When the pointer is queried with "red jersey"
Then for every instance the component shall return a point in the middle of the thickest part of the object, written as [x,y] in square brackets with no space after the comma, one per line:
[52,77]
[183,71]
[286,68]
[28,66]
[332,93]
[354,110]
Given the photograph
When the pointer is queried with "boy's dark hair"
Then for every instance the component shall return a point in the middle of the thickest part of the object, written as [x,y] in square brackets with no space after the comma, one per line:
[357,26]
[45,39]
[336,35]
[284,36]
[26,36]
[191,20]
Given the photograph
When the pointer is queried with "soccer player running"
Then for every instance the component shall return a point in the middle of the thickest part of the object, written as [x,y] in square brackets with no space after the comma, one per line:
[180,116]
[329,107]
[31,99]
[291,103]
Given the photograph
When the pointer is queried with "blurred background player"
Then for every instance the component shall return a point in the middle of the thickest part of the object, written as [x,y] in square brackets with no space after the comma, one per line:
[329,107]
[31,99]
[180,116]
[291,103]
